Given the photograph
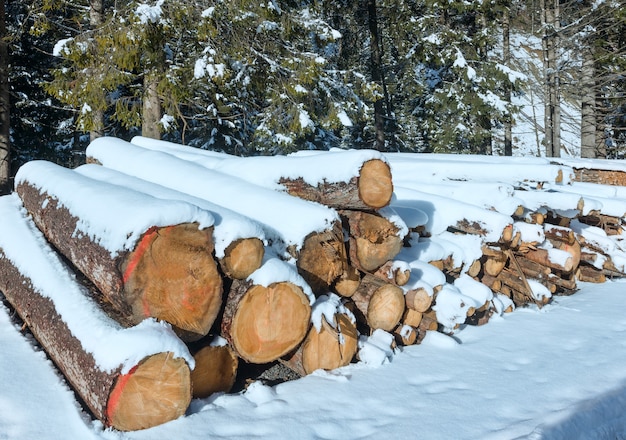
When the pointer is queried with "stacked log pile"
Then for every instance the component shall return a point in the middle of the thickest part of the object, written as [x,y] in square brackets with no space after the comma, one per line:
[266,264]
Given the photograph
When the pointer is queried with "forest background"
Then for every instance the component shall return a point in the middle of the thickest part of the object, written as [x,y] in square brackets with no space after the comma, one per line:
[274,76]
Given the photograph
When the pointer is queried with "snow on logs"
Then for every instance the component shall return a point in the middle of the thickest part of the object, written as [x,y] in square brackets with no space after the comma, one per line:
[130,378]
[148,257]
[362,182]
[309,232]
[238,240]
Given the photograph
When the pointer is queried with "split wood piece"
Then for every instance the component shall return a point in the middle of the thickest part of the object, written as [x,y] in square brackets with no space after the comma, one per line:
[323,259]
[262,323]
[329,348]
[371,189]
[215,370]
[381,304]
[542,256]
[418,299]
[405,335]
[393,273]
[170,275]
[155,391]
[558,233]
[474,268]
[374,240]
[590,274]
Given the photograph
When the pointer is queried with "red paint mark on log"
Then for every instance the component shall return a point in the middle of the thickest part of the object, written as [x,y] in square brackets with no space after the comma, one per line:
[116,394]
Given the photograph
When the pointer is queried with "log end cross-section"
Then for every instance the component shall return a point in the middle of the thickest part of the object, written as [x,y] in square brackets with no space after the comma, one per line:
[375,184]
[172,275]
[265,323]
[215,370]
[155,391]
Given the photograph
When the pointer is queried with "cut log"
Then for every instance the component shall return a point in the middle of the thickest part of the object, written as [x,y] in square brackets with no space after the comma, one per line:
[372,189]
[331,347]
[590,275]
[169,273]
[368,187]
[412,318]
[418,299]
[380,303]
[347,283]
[405,335]
[543,256]
[125,388]
[263,323]
[215,370]
[558,233]
[374,240]
[238,239]
[288,221]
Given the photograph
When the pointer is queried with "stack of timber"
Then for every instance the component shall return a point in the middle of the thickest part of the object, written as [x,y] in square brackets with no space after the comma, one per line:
[250,268]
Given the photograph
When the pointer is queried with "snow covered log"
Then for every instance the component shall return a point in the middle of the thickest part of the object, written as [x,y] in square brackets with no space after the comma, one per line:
[238,240]
[374,240]
[553,258]
[380,305]
[355,179]
[288,221]
[267,315]
[330,343]
[148,257]
[215,370]
[129,378]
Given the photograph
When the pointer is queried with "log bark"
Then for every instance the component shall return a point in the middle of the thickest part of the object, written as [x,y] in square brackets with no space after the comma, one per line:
[262,323]
[331,347]
[170,275]
[155,391]
[541,256]
[381,304]
[590,274]
[373,240]
[557,233]
[372,189]
[392,274]
[215,370]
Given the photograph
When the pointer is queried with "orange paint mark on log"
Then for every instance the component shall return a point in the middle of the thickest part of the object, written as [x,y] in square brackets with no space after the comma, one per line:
[140,250]
[116,394]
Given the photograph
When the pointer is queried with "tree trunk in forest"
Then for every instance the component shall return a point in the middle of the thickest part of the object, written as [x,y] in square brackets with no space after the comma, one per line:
[550,18]
[506,59]
[170,275]
[96,18]
[263,323]
[587,112]
[155,391]
[377,76]
[151,112]
[5,120]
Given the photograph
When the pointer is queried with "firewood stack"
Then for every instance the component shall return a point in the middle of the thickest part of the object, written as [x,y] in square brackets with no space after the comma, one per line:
[263,265]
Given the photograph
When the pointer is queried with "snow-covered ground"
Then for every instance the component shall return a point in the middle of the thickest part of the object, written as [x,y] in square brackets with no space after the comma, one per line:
[554,373]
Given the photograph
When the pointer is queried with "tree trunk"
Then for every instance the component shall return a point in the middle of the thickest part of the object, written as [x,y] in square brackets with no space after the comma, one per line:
[215,370]
[5,106]
[506,55]
[262,323]
[96,18]
[151,112]
[550,9]
[377,76]
[170,274]
[381,305]
[331,347]
[588,112]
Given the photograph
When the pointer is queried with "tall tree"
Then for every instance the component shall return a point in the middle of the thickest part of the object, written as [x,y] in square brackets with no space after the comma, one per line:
[550,42]
[376,70]
[506,60]
[5,139]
